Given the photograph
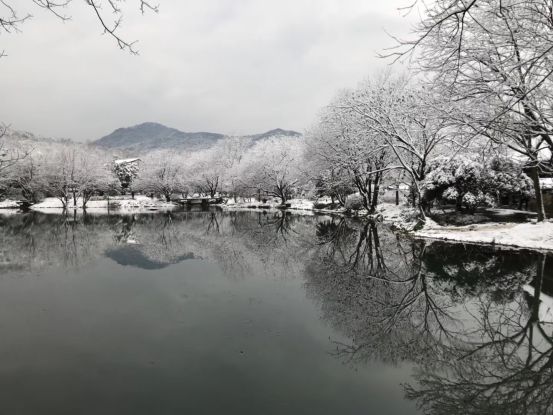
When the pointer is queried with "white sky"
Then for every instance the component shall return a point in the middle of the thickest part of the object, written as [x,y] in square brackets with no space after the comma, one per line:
[229,66]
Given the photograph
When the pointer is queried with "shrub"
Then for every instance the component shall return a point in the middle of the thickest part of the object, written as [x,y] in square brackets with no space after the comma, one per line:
[410,219]
[354,202]
[469,183]
[320,205]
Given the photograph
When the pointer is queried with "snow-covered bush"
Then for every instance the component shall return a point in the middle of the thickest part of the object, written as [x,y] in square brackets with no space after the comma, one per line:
[410,219]
[126,171]
[354,202]
[469,183]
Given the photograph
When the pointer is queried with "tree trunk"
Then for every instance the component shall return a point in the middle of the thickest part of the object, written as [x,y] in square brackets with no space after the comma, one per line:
[282,195]
[538,283]
[534,175]
[374,201]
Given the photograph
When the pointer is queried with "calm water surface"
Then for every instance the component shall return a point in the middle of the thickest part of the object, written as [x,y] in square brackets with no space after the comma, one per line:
[265,313]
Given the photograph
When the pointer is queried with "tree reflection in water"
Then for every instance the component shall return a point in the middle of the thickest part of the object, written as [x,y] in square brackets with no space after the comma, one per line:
[475,322]
[240,242]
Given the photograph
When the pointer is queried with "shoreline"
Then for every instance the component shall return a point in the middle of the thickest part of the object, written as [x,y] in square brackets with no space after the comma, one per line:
[527,235]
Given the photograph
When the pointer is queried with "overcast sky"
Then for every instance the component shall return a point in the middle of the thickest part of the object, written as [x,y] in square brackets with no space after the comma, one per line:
[228,66]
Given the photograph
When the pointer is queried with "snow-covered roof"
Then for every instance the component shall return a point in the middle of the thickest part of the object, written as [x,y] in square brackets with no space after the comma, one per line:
[125,161]
[546,183]
[401,186]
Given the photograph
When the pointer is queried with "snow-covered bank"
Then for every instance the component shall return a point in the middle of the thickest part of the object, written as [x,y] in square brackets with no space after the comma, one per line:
[295,204]
[524,235]
[385,211]
[139,202]
[9,204]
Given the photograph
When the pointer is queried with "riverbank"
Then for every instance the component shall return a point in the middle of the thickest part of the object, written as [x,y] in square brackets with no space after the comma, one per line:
[385,211]
[531,235]
[139,202]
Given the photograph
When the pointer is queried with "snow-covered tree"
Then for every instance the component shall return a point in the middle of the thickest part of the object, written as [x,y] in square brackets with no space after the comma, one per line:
[28,176]
[231,152]
[11,153]
[126,171]
[409,120]
[469,182]
[74,171]
[273,166]
[206,170]
[344,149]
[161,173]
[493,58]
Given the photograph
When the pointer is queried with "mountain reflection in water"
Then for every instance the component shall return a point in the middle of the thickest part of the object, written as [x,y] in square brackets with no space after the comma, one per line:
[475,323]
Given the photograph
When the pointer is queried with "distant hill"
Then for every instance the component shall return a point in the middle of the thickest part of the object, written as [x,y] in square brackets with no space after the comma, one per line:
[153,136]
[274,133]
[25,137]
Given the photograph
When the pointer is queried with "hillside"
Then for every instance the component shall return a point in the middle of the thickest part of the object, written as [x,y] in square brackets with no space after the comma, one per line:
[30,139]
[153,136]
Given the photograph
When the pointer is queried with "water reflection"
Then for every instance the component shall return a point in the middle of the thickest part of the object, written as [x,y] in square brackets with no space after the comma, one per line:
[476,323]
[246,241]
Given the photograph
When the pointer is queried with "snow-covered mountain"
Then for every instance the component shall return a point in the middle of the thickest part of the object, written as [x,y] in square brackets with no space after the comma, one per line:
[153,136]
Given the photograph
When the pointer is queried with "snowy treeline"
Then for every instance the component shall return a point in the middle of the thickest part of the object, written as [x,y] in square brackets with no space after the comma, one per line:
[236,167]
[349,156]
[392,131]
[481,85]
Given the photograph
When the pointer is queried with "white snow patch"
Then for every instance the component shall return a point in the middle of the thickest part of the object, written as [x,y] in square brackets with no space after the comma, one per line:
[125,161]
[546,183]
[301,204]
[9,204]
[139,202]
[389,211]
[524,235]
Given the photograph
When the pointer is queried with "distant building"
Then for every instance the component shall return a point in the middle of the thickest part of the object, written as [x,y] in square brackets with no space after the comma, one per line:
[127,161]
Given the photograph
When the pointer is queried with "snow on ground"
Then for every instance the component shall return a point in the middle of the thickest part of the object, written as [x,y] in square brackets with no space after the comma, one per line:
[546,183]
[139,202]
[524,235]
[389,211]
[301,204]
[9,204]
[142,202]
[54,203]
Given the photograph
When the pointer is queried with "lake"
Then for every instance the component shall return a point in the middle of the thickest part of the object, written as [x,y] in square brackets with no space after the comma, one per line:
[266,313]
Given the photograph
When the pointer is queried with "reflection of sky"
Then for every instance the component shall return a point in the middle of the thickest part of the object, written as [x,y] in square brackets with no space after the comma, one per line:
[112,339]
